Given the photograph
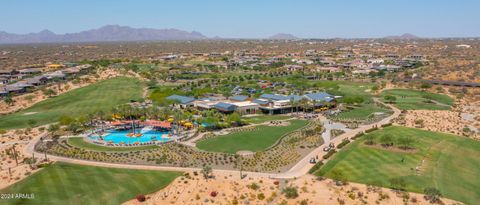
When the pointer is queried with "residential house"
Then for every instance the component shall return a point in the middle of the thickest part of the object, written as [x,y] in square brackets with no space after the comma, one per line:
[375,61]
[55,66]
[55,75]
[293,67]
[8,73]
[3,91]
[30,71]
[4,80]
[328,69]
[392,56]
[36,80]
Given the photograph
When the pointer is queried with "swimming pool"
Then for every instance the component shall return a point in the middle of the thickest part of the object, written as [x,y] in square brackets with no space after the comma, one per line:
[118,137]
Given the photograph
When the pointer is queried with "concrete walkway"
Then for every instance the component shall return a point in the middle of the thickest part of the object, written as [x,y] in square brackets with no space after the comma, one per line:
[329,126]
[298,170]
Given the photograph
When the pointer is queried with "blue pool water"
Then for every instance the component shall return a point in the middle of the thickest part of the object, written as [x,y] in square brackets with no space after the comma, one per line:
[121,136]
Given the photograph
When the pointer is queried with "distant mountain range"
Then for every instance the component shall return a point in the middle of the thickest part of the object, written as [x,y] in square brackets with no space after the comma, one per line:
[405,36]
[111,33]
[283,36]
[105,33]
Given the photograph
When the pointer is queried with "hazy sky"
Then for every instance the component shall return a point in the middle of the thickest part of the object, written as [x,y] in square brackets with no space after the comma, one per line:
[251,18]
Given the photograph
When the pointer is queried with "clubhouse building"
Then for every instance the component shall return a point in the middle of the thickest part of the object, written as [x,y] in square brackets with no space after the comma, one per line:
[265,103]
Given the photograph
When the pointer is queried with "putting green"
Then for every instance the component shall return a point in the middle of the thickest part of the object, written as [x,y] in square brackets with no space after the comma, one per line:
[362,112]
[260,138]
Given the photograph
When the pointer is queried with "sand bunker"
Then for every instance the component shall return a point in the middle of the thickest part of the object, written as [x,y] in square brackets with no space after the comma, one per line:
[30,113]
[245,152]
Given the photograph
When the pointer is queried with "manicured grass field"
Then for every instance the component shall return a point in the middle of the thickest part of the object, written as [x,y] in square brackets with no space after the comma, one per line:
[452,163]
[63,183]
[80,143]
[259,139]
[265,118]
[418,100]
[361,112]
[99,96]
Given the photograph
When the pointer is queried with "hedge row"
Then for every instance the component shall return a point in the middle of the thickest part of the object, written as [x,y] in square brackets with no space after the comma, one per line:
[329,154]
[315,167]
[342,144]
[357,135]
[386,125]
[371,129]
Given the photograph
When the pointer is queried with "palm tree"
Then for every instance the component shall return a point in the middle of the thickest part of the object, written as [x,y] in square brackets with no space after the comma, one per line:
[100,115]
[177,116]
[292,101]
[304,104]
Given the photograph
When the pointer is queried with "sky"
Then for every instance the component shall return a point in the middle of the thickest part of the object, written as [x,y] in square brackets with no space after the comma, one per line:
[250,18]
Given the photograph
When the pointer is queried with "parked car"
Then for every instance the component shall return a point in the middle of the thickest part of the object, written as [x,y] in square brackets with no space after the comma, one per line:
[326,149]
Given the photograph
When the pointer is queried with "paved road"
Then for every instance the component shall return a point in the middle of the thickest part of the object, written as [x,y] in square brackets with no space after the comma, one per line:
[298,170]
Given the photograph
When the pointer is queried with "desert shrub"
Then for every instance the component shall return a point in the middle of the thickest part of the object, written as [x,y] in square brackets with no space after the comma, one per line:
[432,194]
[141,198]
[253,186]
[260,196]
[290,192]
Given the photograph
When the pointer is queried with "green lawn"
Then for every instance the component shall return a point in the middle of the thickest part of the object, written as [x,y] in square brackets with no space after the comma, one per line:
[418,100]
[452,163]
[256,140]
[362,112]
[63,183]
[99,96]
[265,118]
[80,143]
